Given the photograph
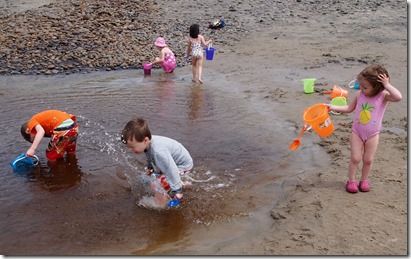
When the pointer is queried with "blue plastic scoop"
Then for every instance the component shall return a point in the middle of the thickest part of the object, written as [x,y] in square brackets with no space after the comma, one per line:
[173,202]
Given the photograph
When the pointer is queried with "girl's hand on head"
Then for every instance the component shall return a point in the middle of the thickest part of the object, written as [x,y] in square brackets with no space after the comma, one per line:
[383,78]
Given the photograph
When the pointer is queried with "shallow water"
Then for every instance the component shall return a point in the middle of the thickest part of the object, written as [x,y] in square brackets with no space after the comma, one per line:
[89,204]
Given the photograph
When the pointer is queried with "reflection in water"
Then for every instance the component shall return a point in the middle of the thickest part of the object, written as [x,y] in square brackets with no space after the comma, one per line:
[168,230]
[60,174]
[196,102]
[166,96]
[200,103]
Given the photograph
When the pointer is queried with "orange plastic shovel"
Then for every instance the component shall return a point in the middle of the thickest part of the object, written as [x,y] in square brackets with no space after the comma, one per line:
[296,142]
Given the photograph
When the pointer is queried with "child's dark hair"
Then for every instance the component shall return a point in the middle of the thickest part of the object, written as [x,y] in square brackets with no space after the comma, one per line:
[137,128]
[194,31]
[370,73]
[23,132]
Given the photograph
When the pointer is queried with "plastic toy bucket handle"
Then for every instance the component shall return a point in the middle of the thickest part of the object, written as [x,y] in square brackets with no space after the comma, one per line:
[23,156]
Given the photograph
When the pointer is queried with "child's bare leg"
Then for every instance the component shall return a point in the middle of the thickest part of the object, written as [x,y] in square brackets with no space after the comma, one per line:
[356,154]
[194,68]
[71,148]
[370,147]
[200,69]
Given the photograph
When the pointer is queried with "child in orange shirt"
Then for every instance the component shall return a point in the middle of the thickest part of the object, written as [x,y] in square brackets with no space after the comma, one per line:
[60,127]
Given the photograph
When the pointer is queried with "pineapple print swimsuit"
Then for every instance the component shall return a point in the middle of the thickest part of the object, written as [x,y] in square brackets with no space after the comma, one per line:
[368,115]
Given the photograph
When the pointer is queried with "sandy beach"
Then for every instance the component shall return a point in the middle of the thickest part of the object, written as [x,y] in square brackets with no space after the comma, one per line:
[318,217]
[266,49]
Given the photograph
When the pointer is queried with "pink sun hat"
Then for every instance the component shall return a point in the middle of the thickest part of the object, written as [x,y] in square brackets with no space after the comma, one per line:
[160,42]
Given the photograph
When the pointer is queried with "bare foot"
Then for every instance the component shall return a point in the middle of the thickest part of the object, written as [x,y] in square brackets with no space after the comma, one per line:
[193,80]
[201,81]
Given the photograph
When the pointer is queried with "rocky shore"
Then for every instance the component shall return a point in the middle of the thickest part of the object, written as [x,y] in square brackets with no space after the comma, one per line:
[76,35]
[85,35]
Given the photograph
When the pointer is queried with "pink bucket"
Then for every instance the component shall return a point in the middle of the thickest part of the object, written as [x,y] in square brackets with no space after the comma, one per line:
[147,68]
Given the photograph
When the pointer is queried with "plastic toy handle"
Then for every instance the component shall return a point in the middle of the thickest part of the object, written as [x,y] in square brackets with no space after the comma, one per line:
[354,84]
[37,160]
[23,156]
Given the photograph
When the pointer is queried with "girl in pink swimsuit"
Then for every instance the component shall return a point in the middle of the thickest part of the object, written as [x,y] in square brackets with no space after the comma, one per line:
[167,59]
[369,105]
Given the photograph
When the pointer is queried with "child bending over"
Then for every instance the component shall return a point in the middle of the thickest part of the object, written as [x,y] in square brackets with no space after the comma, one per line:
[166,157]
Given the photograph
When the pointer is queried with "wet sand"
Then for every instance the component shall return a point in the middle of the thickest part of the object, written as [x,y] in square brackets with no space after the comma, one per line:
[315,215]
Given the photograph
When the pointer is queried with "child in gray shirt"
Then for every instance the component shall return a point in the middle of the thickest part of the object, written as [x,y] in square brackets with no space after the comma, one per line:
[166,157]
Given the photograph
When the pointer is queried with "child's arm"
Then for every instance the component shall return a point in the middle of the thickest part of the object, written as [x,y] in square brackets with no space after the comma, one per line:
[188,48]
[167,165]
[37,139]
[161,59]
[204,42]
[394,95]
[346,108]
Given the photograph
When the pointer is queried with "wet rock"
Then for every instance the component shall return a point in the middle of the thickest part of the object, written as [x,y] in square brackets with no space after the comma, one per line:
[277,216]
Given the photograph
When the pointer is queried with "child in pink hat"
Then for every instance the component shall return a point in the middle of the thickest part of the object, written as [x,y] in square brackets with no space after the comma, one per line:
[167,59]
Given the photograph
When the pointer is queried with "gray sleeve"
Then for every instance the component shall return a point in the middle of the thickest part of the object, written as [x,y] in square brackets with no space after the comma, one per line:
[166,164]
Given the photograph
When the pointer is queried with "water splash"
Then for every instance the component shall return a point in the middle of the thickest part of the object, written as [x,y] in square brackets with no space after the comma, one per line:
[150,202]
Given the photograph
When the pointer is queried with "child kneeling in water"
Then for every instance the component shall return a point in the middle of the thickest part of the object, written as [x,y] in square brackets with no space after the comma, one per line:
[166,157]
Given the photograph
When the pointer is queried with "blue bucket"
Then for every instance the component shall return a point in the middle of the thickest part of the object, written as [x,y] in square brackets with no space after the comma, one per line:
[23,163]
[209,53]
[354,84]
